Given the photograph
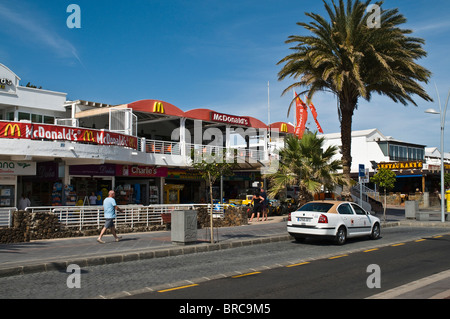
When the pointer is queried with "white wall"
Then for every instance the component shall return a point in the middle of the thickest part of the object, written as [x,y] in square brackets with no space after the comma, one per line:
[16,95]
[364,148]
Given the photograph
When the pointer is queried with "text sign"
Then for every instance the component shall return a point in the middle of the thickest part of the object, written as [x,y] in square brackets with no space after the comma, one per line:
[230,119]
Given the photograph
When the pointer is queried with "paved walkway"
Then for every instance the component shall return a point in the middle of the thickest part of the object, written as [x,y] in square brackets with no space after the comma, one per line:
[58,254]
[45,255]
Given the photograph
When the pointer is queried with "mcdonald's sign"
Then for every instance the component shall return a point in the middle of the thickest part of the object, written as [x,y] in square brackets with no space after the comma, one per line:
[158,107]
[284,128]
[12,128]
[88,136]
[35,131]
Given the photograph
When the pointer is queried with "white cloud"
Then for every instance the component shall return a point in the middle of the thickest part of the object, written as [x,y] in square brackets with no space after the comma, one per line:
[29,27]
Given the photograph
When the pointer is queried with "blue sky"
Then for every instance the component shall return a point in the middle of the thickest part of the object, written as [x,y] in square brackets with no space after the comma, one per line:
[204,54]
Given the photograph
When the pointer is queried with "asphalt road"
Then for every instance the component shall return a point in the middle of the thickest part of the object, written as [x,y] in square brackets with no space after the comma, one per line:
[340,276]
[346,274]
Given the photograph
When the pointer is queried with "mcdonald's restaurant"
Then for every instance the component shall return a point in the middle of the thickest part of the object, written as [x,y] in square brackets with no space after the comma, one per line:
[140,149]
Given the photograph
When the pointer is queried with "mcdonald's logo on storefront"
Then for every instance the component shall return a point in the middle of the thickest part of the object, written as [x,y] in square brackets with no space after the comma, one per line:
[158,107]
[12,128]
[88,136]
[132,143]
[284,128]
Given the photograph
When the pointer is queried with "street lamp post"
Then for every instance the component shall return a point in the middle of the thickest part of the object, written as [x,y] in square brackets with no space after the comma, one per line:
[442,114]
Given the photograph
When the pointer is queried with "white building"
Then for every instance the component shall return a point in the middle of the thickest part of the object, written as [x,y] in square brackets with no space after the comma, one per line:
[61,151]
[370,147]
[416,166]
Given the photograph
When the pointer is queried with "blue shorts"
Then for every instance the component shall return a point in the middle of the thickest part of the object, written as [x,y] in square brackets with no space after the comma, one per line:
[109,223]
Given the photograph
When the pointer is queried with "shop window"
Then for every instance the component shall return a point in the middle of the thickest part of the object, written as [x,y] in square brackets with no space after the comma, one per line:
[24,116]
[10,116]
[36,118]
[49,120]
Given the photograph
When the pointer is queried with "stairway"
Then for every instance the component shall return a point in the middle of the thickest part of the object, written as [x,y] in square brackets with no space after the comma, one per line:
[370,199]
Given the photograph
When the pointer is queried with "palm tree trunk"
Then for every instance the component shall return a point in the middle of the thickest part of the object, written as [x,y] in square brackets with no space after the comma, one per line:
[346,110]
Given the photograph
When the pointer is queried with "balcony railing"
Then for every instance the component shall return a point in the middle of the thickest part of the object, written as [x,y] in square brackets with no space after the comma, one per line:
[175,148]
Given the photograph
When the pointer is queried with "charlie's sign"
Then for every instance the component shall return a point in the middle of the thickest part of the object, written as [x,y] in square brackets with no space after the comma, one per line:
[36,131]
[230,119]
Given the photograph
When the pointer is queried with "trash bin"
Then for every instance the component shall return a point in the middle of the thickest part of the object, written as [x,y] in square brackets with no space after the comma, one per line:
[184,227]
[411,209]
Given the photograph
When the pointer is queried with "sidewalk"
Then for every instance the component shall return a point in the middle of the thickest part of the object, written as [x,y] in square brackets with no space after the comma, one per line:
[58,254]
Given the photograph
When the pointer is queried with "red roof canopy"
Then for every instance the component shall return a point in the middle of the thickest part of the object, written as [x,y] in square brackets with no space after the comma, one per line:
[165,108]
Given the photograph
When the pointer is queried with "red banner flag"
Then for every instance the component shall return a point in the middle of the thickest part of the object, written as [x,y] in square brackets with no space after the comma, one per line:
[302,116]
[314,113]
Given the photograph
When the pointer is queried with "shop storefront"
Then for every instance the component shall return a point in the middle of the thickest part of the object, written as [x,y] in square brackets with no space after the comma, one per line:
[415,176]
[45,188]
[136,184]
[9,173]
[133,184]
[88,179]
[184,186]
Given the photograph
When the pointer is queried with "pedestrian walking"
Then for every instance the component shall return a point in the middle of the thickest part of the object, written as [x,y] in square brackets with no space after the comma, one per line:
[257,206]
[109,208]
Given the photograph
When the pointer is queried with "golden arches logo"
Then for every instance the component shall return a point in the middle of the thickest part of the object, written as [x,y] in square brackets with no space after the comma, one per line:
[88,136]
[12,128]
[284,128]
[132,142]
[158,107]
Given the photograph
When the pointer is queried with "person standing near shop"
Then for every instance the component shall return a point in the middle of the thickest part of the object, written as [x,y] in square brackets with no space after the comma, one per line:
[257,206]
[24,202]
[110,207]
[93,199]
[264,205]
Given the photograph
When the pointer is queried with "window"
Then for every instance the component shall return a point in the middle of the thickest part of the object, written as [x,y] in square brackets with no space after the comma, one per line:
[316,207]
[358,210]
[24,116]
[35,118]
[345,209]
[49,120]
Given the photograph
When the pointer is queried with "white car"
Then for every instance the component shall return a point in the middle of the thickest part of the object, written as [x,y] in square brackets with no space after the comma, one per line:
[333,219]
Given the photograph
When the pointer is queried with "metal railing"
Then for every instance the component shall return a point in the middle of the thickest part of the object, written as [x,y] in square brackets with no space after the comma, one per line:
[174,148]
[6,216]
[162,147]
[81,217]
[235,153]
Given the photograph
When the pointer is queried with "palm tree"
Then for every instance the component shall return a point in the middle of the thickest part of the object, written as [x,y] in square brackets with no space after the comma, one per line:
[352,60]
[303,162]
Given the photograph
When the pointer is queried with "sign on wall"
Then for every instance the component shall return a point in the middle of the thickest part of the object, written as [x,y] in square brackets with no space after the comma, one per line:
[230,119]
[35,131]
[401,165]
[17,168]
[141,171]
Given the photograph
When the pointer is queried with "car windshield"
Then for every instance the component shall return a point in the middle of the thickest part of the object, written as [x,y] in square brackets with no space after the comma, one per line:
[316,207]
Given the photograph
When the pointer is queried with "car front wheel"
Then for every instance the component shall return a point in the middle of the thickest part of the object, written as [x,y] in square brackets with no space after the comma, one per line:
[341,235]
[376,231]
